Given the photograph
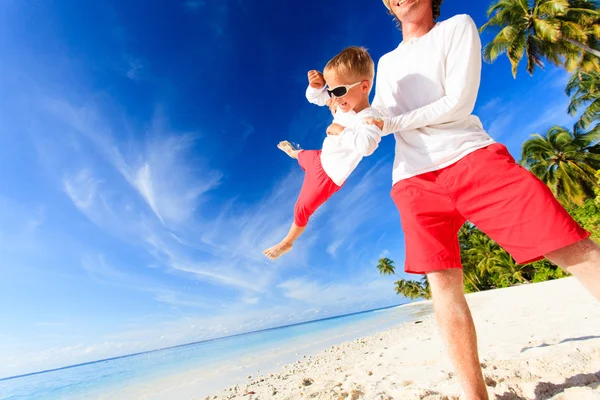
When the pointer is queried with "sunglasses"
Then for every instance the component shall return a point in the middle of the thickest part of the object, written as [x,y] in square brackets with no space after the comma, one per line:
[342,90]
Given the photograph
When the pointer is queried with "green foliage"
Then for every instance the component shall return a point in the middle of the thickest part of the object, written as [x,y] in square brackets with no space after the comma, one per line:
[386,267]
[546,271]
[566,161]
[584,91]
[588,216]
[597,190]
[487,265]
[563,32]
[407,288]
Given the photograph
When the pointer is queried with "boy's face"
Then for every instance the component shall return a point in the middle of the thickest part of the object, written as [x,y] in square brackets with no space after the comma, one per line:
[354,97]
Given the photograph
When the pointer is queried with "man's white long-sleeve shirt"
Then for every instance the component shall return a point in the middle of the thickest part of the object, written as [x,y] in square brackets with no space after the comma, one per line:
[341,154]
[427,88]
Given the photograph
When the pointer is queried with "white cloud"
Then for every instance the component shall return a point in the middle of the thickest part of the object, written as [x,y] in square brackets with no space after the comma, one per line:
[82,189]
[332,248]
[351,293]
[135,67]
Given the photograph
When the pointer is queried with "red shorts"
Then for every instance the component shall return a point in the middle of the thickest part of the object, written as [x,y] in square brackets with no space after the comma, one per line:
[316,189]
[489,189]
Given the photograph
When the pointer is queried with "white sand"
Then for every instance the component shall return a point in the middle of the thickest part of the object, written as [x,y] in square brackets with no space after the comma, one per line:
[538,341]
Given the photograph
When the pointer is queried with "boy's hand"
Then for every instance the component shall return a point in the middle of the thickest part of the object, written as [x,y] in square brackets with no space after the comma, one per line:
[378,122]
[316,79]
[332,106]
[335,129]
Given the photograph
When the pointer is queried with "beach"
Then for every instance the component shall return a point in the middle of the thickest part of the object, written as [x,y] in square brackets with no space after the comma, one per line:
[536,341]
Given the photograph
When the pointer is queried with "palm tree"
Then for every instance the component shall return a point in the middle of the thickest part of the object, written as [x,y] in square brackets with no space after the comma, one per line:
[386,267]
[406,288]
[485,251]
[409,289]
[579,55]
[426,288]
[509,272]
[584,89]
[566,161]
[560,31]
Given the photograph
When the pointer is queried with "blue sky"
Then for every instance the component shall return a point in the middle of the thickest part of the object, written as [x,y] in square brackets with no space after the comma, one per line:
[141,182]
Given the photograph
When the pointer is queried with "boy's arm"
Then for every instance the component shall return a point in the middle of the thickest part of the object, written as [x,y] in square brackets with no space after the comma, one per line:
[364,138]
[315,92]
[317,96]
[463,70]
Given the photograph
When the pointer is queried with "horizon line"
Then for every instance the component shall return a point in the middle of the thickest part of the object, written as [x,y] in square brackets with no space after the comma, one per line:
[197,342]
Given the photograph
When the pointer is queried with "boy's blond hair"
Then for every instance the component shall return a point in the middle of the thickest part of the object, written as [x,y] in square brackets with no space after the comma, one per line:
[354,61]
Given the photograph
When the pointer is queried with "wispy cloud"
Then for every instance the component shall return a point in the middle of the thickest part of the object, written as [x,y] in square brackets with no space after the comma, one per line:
[194,5]
[134,280]
[223,249]
[82,189]
[351,293]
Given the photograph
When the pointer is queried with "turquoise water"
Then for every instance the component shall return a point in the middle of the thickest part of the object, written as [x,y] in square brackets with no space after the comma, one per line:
[269,349]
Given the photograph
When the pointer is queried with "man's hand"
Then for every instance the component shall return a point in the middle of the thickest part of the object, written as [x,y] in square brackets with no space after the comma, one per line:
[316,79]
[378,122]
[335,129]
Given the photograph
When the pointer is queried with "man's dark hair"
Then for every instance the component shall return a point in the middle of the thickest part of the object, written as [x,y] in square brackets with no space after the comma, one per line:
[436,5]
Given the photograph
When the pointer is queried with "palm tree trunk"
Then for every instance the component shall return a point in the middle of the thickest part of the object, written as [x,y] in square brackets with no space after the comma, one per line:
[584,47]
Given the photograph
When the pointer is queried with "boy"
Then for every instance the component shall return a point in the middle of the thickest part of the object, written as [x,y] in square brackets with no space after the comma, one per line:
[346,83]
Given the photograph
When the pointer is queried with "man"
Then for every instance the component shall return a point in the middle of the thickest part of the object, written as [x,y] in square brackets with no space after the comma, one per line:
[448,169]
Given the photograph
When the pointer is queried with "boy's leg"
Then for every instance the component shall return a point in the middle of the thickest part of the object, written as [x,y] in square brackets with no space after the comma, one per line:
[582,259]
[288,149]
[431,222]
[286,244]
[316,189]
[457,329]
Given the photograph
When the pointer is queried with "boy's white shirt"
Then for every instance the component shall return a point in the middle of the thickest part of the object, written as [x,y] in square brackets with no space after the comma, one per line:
[341,154]
[427,88]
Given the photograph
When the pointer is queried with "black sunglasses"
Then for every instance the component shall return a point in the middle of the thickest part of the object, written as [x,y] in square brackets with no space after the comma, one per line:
[342,90]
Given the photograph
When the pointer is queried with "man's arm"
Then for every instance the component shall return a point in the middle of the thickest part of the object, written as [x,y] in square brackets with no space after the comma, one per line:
[463,74]
[364,138]
[378,103]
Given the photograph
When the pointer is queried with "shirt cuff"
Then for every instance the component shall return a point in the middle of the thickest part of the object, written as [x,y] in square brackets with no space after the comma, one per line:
[311,89]
[387,129]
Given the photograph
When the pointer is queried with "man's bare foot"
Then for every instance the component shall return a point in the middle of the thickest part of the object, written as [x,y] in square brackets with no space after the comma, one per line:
[288,148]
[277,250]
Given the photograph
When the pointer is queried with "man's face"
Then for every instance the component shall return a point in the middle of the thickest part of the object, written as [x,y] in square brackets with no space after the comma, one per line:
[404,9]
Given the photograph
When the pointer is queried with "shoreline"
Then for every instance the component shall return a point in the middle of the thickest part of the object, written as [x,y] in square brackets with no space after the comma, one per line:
[535,341]
[271,356]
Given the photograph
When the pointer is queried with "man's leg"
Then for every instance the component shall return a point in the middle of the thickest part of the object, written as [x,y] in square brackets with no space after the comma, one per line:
[457,329]
[582,259]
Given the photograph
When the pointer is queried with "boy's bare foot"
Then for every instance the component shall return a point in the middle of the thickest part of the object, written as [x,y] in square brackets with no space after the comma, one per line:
[277,250]
[288,148]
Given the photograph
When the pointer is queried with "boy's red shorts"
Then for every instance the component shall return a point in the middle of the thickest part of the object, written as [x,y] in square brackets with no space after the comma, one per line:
[489,189]
[316,189]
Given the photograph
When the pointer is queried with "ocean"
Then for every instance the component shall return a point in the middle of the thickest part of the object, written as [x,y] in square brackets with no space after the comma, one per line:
[206,367]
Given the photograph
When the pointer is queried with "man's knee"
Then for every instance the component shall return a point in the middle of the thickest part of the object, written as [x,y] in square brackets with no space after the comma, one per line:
[574,254]
[446,280]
